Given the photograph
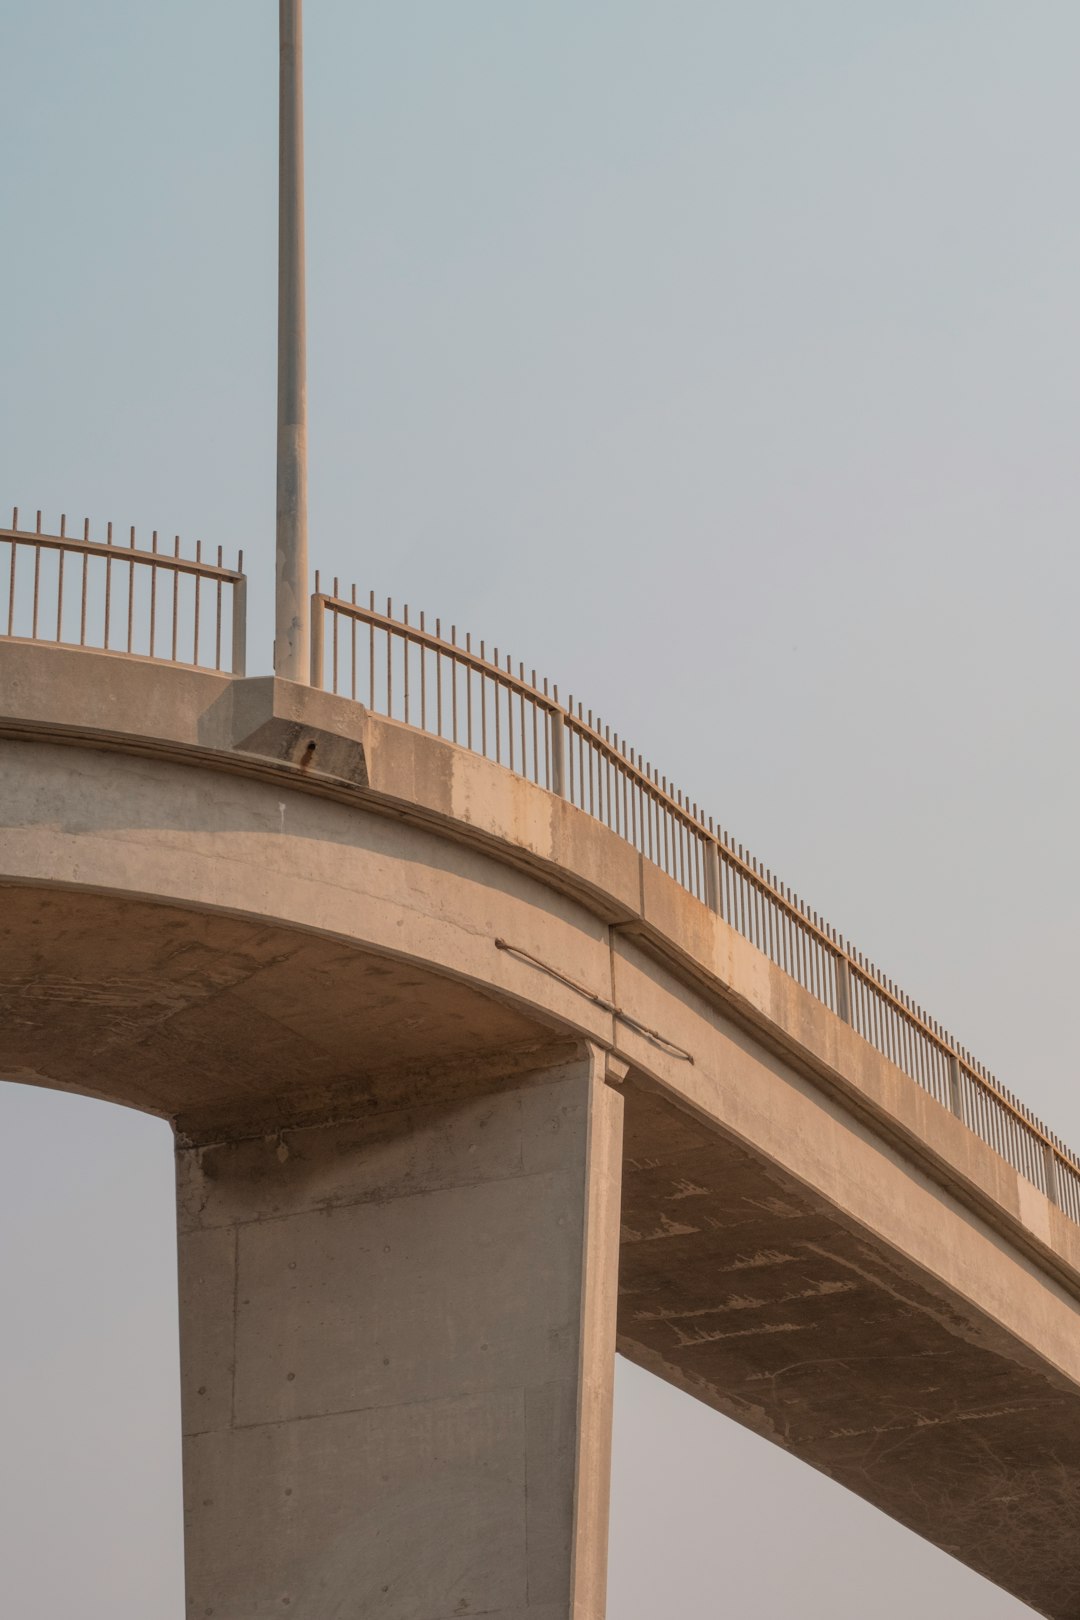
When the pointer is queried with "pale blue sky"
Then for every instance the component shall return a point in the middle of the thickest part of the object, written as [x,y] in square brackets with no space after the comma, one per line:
[720,360]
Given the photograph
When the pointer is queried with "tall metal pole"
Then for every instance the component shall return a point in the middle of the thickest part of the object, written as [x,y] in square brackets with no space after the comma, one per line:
[293,606]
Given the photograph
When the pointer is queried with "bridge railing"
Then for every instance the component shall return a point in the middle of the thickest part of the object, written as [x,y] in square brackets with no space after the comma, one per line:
[149,603]
[155,603]
[468,694]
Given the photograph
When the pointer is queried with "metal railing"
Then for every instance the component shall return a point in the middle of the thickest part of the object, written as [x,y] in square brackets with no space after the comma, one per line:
[77,592]
[414,673]
[156,604]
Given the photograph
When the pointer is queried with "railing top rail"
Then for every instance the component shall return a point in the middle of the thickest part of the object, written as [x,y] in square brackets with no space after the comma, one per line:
[463,653]
[109,595]
[675,804]
[83,545]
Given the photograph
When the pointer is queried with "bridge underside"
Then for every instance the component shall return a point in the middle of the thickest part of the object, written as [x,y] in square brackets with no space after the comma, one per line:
[225,1024]
[742,1289]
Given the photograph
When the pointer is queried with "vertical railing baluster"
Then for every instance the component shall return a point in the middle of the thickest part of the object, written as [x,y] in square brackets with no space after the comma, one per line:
[37,592]
[423,676]
[131,590]
[389,661]
[404,638]
[549,780]
[352,650]
[60,594]
[217,606]
[371,656]
[438,677]
[468,694]
[197,583]
[82,593]
[153,598]
[524,733]
[11,582]
[175,600]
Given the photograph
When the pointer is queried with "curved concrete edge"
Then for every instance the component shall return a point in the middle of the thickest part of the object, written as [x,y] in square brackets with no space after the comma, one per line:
[264,728]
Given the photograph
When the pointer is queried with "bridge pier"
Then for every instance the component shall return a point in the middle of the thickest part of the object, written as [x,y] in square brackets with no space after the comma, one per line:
[397,1345]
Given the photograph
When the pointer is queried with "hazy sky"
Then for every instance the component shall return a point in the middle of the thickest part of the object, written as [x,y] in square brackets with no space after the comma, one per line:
[720,360]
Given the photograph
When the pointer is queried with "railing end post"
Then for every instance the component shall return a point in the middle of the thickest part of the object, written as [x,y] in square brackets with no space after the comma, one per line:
[558,753]
[843,989]
[239,626]
[714,890]
[956,1098]
[317,657]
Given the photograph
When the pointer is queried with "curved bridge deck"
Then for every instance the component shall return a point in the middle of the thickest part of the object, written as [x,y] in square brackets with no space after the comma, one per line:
[256,908]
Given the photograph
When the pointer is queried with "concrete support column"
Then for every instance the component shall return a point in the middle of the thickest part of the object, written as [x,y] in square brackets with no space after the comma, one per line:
[397,1347]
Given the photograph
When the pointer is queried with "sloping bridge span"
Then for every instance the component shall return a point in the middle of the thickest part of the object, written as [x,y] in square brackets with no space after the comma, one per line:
[256,908]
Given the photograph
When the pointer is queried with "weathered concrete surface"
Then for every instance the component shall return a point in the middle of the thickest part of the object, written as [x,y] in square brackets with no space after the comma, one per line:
[397,1341]
[328,942]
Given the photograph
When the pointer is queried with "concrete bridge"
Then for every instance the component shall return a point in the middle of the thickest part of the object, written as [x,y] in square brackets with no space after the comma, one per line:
[487,1054]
